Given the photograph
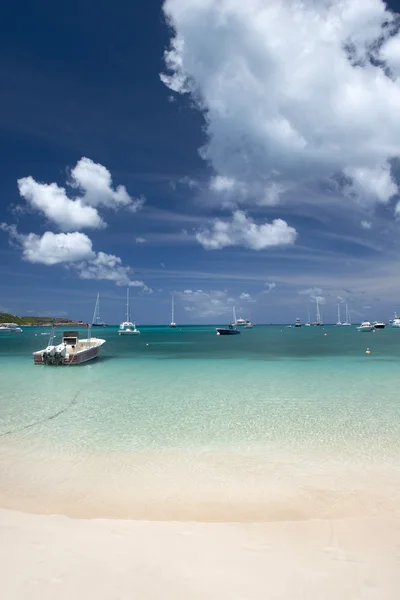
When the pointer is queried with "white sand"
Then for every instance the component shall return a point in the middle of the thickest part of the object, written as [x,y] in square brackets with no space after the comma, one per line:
[55,557]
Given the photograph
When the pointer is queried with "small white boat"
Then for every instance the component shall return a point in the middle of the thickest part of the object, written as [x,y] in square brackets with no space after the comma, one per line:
[365,326]
[10,328]
[379,325]
[173,324]
[297,323]
[72,350]
[127,327]
[395,321]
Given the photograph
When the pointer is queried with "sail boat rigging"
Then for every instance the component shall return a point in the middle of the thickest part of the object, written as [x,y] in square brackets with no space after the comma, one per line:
[348,318]
[96,321]
[339,322]
[318,320]
[173,324]
[127,327]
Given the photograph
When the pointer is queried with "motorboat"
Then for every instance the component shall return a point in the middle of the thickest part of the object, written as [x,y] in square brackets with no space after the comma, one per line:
[249,325]
[10,328]
[72,350]
[231,330]
[127,327]
[365,326]
[297,323]
[379,325]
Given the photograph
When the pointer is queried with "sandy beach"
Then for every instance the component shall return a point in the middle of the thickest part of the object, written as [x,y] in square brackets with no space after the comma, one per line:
[55,557]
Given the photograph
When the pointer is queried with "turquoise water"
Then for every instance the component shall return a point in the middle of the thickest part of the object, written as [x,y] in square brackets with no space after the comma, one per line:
[190,388]
[278,395]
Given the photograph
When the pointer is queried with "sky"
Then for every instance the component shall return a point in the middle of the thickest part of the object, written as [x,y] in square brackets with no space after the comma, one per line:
[221,151]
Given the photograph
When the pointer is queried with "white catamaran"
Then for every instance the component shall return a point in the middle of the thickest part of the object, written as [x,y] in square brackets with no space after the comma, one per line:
[96,321]
[127,327]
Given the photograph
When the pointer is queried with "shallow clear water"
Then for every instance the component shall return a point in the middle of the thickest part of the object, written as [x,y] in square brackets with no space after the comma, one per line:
[271,395]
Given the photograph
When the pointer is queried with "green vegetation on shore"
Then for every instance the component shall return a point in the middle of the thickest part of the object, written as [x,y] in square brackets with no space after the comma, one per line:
[27,321]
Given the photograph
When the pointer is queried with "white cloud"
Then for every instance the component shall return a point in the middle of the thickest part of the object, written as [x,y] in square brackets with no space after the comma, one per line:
[292,92]
[53,202]
[94,183]
[246,297]
[241,230]
[140,240]
[269,285]
[73,250]
[366,224]
[222,184]
[204,304]
[109,267]
[314,291]
[52,248]
[371,185]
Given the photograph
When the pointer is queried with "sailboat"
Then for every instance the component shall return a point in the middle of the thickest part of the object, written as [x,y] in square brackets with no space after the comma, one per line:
[308,324]
[173,324]
[339,322]
[348,319]
[96,321]
[127,327]
[318,320]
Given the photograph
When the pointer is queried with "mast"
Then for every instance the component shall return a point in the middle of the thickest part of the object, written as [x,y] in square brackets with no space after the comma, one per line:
[338,314]
[318,313]
[96,314]
[173,309]
[234,314]
[127,306]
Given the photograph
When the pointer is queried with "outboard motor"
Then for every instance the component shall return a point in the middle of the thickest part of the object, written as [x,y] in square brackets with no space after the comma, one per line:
[59,354]
[48,355]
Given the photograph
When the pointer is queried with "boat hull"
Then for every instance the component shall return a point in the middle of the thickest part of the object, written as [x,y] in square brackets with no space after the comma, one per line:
[227,331]
[75,358]
[128,332]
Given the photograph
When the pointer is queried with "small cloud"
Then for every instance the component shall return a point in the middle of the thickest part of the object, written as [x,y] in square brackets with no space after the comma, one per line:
[269,285]
[246,297]
[366,224]
[241,230]
[140,240]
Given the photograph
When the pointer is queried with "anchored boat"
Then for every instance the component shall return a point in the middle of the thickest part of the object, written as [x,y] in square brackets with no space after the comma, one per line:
[72,350]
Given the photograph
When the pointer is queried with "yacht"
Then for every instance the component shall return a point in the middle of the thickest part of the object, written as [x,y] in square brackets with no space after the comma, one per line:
[230,330]
[318,320]
[396,321]
[96,321]
[10,328]
[379,325]
[339,322]
[172,324]
[308,324]
[365,326]
[347,322]
[127,327]
[297,323]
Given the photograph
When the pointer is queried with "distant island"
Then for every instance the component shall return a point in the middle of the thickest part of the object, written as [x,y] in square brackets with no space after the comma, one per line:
[32,321]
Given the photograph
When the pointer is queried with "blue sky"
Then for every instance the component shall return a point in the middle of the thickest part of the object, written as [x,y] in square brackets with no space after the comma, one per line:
[260,169]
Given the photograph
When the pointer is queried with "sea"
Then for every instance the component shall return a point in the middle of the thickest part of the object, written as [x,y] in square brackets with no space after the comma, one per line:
[180,424]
